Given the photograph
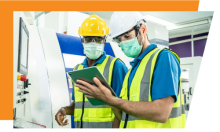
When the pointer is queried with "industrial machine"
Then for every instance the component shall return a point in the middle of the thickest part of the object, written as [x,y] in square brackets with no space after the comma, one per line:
[189,72]
[21,89]
[186,90]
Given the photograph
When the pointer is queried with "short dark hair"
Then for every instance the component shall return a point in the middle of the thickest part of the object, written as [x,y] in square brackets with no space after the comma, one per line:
[137,29]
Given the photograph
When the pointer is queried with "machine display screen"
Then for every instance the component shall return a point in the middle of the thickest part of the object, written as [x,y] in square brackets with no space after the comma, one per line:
[24,48]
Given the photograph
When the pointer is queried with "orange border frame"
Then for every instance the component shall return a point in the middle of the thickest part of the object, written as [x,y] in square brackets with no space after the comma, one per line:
[6,25]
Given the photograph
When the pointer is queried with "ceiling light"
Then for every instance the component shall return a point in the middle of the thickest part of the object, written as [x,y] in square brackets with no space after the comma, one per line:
[193,24]
[157,20]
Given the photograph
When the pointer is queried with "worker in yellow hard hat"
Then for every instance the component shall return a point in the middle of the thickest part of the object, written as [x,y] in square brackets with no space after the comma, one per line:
[93,32]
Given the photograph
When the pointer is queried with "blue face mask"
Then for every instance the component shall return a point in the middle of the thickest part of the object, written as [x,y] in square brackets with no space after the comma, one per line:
[131,47]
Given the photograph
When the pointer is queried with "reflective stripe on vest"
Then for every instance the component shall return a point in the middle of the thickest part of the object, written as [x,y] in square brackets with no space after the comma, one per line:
[94,116]
[140,90]
[93,124]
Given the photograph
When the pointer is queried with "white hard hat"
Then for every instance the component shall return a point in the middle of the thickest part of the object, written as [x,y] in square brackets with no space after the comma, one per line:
[122,21]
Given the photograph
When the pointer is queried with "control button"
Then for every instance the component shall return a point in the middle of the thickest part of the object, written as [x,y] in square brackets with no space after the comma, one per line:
[18,101]
[22,78]
[26,92]
[23,100]
[26,83]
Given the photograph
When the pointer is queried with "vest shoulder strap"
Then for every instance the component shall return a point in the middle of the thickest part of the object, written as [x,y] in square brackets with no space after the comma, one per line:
[112,60]
[109,69]
[120,60]
[116,58]
[76,67]
[174,53]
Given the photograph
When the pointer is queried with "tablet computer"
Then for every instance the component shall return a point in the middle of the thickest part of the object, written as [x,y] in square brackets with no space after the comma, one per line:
[87,74]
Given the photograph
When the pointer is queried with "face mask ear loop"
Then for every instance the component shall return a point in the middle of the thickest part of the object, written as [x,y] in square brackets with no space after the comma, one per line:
[142,41]
[141,44]
[142,38]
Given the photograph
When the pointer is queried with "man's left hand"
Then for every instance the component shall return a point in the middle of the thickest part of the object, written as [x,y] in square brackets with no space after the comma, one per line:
[100,92]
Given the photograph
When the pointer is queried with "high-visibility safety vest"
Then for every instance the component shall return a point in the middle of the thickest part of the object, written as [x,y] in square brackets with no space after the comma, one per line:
[140,90]
[85,114]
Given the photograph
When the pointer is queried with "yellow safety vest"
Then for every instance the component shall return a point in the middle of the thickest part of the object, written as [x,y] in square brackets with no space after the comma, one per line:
[85,114]
[140,90]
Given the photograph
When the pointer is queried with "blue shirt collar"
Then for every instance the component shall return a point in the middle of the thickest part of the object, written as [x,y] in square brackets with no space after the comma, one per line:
[141,56]
[99,61]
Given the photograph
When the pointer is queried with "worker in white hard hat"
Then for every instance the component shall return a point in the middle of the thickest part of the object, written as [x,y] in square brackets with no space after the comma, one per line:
[151,92]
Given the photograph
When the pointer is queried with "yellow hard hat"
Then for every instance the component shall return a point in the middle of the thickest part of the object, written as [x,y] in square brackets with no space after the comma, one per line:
[93,26]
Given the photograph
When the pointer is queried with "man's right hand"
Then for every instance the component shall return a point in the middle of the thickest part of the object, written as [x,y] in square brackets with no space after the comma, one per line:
[60,116]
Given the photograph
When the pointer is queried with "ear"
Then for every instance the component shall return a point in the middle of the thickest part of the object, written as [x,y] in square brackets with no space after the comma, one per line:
[144,29]
[81,41]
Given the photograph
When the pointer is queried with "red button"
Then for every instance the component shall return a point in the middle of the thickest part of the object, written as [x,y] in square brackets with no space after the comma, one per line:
[23,78]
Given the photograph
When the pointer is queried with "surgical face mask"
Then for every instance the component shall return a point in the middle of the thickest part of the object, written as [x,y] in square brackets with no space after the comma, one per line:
[131,47]
[93,50]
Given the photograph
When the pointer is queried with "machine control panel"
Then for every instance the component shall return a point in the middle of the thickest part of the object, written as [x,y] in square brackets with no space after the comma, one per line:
[22,89]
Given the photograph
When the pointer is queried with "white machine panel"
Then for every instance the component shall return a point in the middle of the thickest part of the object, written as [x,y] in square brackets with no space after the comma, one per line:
[41,110]
[21,98]
[72,60]
[56,72]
